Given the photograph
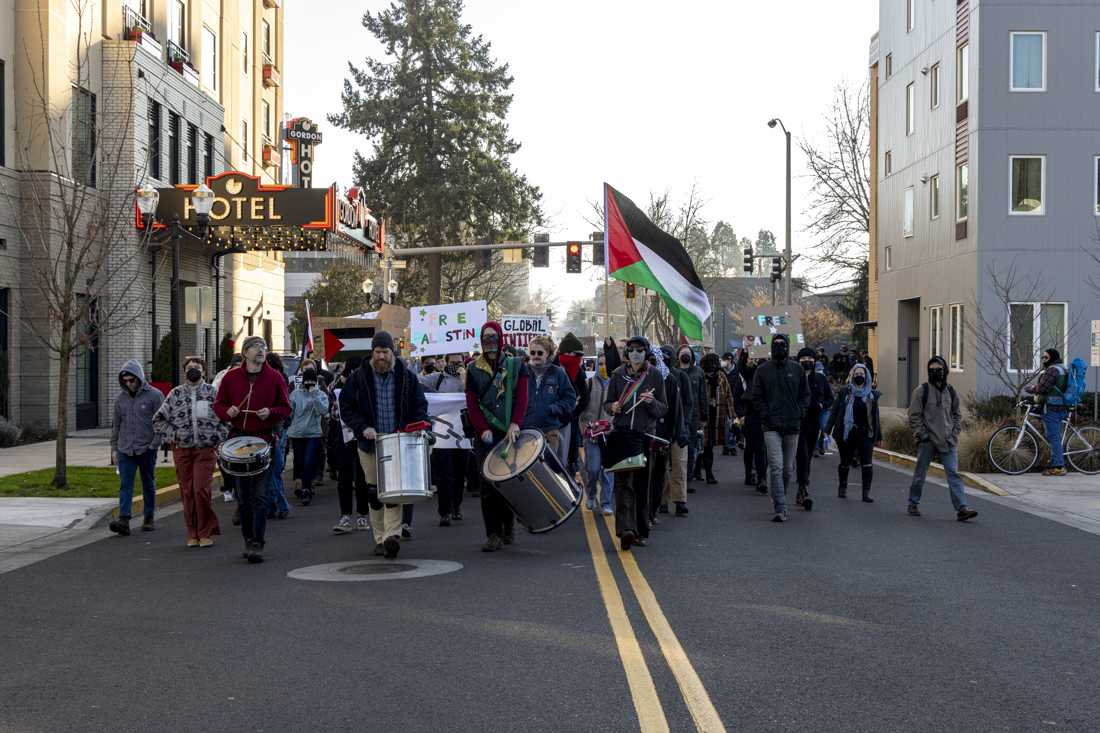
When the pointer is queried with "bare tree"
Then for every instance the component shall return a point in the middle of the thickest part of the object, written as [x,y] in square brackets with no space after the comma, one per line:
[840,205]
[76,203]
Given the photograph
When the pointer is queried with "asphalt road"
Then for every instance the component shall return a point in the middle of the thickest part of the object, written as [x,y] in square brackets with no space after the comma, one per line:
[854,617]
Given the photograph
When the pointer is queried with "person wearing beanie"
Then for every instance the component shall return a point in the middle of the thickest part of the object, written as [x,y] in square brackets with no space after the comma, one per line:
[496,402]
[936,421]
[854,422]
[670,427]
[697,417]
[570,357]
[351,481]
[381,397]
[718,410]
[676,487]
[782,394]
[821,399]
[1047,390]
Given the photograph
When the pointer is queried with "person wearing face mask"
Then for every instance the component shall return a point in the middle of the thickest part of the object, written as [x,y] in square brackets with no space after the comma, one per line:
[756,457]
[570,357]
[671,428]
[449,465]
[733,429]
[550,397]
[854,423]
[594,411]
[719,406]
[1048,390]
[781,393]
[936,421]
[134,445]
[186,422]
[308,403]
[685,360]
[821,399]
[635,400]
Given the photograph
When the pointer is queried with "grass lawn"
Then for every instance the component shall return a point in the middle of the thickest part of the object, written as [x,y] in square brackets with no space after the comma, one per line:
[84,482]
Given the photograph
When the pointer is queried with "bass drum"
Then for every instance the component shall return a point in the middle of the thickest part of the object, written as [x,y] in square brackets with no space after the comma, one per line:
[404,471]
[533,482]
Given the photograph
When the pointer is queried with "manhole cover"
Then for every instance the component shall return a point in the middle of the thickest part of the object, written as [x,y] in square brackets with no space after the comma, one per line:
[361,570]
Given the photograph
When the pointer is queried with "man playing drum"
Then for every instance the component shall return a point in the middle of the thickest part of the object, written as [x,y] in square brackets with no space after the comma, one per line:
[496,401]
[382,396]
[253,400]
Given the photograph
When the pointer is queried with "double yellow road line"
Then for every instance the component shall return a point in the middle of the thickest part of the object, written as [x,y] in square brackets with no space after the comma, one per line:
[651,714]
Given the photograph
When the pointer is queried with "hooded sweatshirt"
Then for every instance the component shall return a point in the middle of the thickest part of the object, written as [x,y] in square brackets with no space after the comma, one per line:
[936,418]
[132,427]
[696,415]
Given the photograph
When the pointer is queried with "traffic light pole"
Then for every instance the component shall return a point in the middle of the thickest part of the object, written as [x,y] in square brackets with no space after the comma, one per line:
[461,248]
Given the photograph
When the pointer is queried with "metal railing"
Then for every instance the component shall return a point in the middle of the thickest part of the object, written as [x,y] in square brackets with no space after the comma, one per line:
[177,53]
[136,21]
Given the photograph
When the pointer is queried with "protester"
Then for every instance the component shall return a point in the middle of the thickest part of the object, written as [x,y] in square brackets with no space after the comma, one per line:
[719,410]
[1048,391]
[839,366]
[309,403]
[381,397]
[449,465]
[865,358]
[823,437]
[234,361]
[733,428]
[591,422]
[686,361]
[570,357]
[676,487]
[854,423]
[186,422]
[134,445]
[936,420]
[550,397]
[253,400]
[781,393]
[635,399]
[671,429]
[351,481]
[821,399]
[280,507]
[496,401]
[756,456]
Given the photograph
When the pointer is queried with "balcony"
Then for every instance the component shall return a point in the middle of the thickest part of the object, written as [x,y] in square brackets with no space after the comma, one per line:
[140,30]
[271,4]
[180,60]
[270,153]
[271,74]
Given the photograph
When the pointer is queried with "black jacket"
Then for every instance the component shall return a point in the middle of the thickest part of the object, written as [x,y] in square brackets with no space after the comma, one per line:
[821,393]
[835,425]
[739,392]
[780,394]
[671,426]
[358,400]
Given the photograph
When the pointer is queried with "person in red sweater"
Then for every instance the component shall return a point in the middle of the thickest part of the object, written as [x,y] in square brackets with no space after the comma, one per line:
[253,400]
[496,401]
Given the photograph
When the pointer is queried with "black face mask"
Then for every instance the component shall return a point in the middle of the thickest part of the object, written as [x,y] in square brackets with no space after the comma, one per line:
[309,377]
[685,358]
[194,374]
[807,366]
[429,368]
[451,369]
[780,350]
[859,380]
[936,376]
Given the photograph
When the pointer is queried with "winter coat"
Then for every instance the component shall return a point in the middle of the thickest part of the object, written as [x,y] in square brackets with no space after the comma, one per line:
[670,426]
[594,408]
[937,419]
[480,394]
[307,406]
[821,394]
[835,424]
[683,389]
[550,399]
[574,370]
[719,406]
[358,401]
[132,426]
[186,419]
[643,417]
[237,390]
[780,395]
[698,414]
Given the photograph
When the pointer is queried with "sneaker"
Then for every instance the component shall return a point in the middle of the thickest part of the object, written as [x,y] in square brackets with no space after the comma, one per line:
[590,505]
[492,544]
[406,532]
[120,527]
[808,504]
[508,538]
[762,488]
[456,517]
[256,554]
[445,520]
[780,517]
[192,542]
[1055,471]
[798,497]
[913,510]
[681,509]
[282,514]
[307,497]
[641,542]
[608,512]
[344,525]
[391,547]
[711,480]
[362,523]
[967,513]
[148,525]
[206,542]
[750,480]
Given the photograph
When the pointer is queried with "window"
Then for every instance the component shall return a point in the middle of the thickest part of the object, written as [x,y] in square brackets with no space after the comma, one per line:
[910,111]
[910,13]
[962,73]
[889,65]
[955,358]
[177,23]
[935,331]
[154,139]
[888,257]
[934,85]
[244,51]
[962,192]
[934,197]
[209,59]
[208,156]
[1032,328]
[1027,185]
[265,30]
[266,107]
[888,162]
[173,148]
[3,122]
[1095,73]
[1027,60]
[244,141]
[83,137]
[1096,183]
[5,326]
[907,214]
[192,154]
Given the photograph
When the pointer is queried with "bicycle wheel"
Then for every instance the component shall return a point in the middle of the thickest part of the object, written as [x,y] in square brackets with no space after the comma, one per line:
[1007,456]
[1083,449]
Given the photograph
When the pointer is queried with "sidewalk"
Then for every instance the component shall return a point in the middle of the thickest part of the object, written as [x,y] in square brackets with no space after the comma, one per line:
[1073,499]
[84,448]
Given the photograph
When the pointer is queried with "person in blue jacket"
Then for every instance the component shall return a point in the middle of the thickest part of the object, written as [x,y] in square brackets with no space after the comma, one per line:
[551,398]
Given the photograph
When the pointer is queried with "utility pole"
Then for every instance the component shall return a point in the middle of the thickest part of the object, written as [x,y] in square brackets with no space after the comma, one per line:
[787,247]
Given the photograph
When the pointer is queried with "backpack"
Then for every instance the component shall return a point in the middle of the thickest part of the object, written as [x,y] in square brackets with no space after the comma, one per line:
[1074,387]
[924,396]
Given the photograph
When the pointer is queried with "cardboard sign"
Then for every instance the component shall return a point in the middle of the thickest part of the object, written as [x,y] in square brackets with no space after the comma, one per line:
[758,325]
[451,328]
[520,329]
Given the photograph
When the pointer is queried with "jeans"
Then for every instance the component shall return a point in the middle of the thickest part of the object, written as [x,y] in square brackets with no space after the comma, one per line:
[278,465]
[782,450]
[950,462]
[306,453]
[254,496]
[597,477]
[1052,426]
[127,467]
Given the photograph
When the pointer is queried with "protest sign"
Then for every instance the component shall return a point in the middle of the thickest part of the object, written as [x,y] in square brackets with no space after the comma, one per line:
[758,325]
[451,328]
[520,329]
[444,409]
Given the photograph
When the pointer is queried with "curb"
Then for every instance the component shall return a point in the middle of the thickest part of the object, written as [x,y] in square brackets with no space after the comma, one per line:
[936,469]
[165,496]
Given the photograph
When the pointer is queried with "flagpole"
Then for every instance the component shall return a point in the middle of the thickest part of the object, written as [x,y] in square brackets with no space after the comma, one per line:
[606,269]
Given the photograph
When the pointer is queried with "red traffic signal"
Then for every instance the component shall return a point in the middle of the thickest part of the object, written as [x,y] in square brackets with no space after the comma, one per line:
[573,257]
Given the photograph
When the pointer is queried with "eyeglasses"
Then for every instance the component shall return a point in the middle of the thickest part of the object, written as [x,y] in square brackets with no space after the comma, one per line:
[538,353]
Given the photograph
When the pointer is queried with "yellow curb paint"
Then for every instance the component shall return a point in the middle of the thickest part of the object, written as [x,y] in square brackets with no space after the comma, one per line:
[651,716]
[936,469]
[695,694]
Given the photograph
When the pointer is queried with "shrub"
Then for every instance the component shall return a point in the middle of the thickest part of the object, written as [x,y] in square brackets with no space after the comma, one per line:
[897,437]
[9,433]
[991,409]
[37,432]
[973,441]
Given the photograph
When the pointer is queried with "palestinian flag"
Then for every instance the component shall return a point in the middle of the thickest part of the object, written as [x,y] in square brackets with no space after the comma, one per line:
[640,253]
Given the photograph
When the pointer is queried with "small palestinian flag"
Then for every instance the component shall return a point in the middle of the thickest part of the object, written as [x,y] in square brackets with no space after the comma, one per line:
[640,253]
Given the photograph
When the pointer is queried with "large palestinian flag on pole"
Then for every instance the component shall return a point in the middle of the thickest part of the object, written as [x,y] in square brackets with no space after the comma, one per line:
[640,253]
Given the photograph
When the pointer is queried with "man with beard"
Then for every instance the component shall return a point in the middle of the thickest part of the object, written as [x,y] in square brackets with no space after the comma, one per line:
[821,399]
[381,397]
[686,361]
[496,401]
[781,393]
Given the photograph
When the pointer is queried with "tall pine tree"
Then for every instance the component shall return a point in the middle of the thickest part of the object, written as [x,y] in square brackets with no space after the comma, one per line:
[434,111]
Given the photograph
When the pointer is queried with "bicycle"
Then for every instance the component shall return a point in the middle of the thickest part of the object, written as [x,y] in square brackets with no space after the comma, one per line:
[1014,449]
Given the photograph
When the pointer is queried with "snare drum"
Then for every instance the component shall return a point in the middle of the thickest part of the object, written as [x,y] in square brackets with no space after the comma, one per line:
[245,455]
[404,468]
[531,479]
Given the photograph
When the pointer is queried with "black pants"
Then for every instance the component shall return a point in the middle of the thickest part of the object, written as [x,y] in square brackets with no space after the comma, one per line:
[858,448]
[449,470]
[497,514]
[350,479]
[632,502]
[756,455]
[708,460]
[254,497]
[658,476]
[807,444]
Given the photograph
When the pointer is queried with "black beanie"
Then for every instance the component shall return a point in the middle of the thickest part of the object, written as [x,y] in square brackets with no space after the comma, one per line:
[1055,356]
[806,351]
[382,340]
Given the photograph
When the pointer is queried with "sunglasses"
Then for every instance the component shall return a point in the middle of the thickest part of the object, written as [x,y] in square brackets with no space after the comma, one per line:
[129,380]
[636,350]
[538,353]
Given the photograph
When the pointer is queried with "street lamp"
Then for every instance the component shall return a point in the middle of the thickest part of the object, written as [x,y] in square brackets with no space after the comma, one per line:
[787,249]
[368,286]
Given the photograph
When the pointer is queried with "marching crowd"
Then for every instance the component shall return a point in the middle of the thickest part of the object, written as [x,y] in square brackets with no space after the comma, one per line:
[639,432]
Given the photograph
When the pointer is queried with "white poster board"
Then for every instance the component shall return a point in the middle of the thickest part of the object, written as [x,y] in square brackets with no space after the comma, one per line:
[758,325]
[444,409]
[520,329]
[451,328]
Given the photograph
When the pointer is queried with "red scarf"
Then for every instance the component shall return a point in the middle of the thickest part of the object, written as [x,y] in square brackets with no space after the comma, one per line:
[571,364]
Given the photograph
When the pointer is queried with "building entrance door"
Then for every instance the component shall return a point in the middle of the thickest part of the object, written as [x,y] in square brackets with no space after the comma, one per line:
[87,377]
[912,357]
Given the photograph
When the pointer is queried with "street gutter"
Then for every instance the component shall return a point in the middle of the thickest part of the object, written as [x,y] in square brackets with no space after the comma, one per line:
[936,469]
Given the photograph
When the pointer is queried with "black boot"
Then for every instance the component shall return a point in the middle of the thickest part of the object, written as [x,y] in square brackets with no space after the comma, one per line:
[120,526]
[842,491]
[842,486]
[750,479]
[710,478]
[868,472]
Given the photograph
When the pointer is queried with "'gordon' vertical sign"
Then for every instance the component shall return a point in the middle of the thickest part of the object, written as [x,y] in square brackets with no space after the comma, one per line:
[303,135]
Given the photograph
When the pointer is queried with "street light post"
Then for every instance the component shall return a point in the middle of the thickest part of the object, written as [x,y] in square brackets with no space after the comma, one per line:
[787,248]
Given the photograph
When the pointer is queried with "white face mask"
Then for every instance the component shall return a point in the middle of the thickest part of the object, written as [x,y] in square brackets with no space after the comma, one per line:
[636,357]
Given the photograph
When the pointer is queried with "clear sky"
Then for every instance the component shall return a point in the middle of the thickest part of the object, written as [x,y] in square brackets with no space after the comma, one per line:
[648,95]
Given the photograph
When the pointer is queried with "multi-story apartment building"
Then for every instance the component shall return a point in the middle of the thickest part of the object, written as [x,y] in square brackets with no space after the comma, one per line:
[165,86]
[985,143]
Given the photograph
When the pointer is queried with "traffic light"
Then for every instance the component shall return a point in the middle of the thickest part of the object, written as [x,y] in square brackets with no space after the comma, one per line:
[540,256]
[573,257]
[597,248]
[777,268]
[630,291]
[748,259]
